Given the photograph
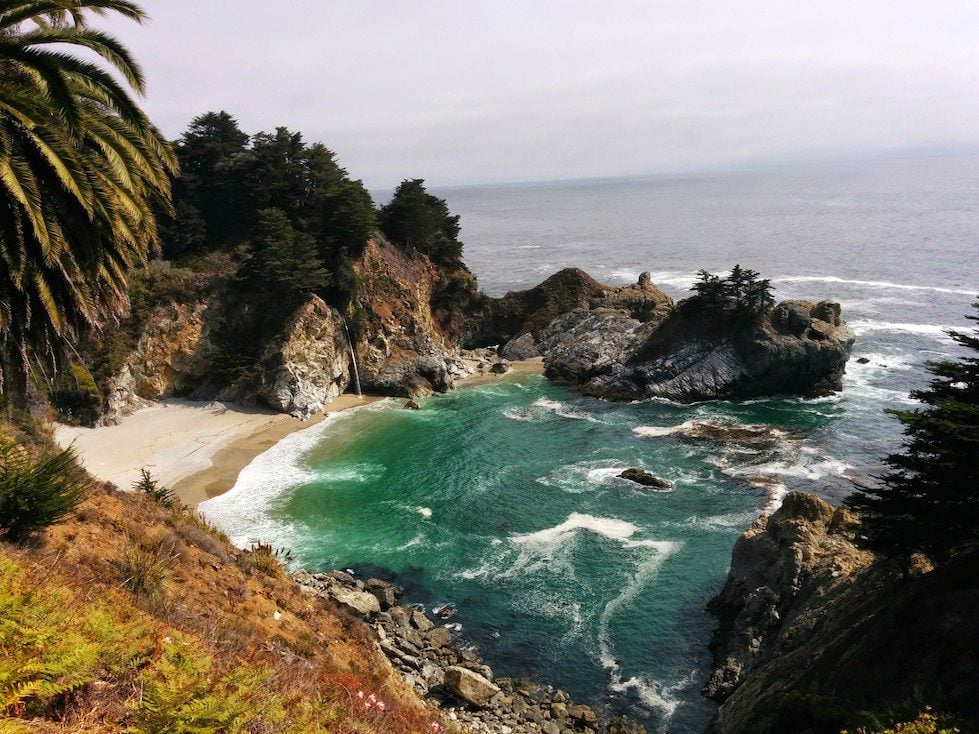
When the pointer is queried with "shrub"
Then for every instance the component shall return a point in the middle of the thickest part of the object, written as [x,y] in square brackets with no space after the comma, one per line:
[150,487]
[268,560]
[76,397]
[36,492]
[146,571]
[925,723]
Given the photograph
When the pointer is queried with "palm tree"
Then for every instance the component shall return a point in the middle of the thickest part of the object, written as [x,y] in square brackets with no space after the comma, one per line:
[81,168]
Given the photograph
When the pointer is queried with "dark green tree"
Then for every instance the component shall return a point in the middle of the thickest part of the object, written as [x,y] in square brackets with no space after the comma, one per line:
[710,288]
[758,295]
[284,260]
[928,501]
[735,285]
[210,183]
[417,220]
[276,172]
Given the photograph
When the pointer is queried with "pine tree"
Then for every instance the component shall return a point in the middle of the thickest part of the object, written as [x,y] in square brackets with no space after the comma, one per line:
[710,288]
[929,499]
[284,260]
[417,220]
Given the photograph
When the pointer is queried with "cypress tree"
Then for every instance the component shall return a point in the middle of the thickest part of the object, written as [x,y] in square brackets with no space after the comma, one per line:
[928,501]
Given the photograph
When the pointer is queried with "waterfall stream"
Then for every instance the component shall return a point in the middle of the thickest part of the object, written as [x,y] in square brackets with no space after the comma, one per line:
[353,359]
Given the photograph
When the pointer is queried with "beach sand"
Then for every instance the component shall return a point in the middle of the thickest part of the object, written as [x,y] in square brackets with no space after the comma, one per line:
[195,448]
[198,449]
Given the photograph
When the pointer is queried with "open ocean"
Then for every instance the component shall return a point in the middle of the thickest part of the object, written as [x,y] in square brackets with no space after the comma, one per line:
[503,499]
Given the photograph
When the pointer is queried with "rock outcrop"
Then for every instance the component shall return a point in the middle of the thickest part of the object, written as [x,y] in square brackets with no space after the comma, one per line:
[698,353]
[403,349]
[167,360]
[451,677]
[308,365]
[645,479]
[518,320]
[807,616]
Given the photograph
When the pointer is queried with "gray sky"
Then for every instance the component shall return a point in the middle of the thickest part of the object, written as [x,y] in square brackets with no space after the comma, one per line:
[514,90]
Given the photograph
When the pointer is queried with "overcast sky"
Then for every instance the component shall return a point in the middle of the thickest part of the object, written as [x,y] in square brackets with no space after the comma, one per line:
[519,90]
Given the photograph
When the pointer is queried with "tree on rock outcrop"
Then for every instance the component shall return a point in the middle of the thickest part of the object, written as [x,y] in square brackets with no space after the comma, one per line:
[416,220]
[743,292]
[284,260]
[928,501]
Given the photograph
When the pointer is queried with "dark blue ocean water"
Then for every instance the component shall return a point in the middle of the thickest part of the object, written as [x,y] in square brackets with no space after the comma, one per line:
[503,498]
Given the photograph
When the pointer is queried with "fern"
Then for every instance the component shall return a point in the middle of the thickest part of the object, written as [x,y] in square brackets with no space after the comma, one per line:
[183,694]
[41,656]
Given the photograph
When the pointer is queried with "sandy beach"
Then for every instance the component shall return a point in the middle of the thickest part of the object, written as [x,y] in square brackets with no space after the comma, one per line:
[199,448]
[196,448]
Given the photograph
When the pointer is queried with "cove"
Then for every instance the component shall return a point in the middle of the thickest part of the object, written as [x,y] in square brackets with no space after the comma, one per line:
[503,500]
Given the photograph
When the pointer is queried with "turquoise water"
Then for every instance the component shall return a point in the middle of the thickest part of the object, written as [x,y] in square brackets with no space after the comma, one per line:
[503,499]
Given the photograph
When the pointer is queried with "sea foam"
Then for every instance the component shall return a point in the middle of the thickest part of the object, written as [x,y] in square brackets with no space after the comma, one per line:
[243,511]
[871,284]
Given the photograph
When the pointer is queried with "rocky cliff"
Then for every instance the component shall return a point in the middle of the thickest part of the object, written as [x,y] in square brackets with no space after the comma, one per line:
[691,352]
[294,355]
[405,342]
[812,628]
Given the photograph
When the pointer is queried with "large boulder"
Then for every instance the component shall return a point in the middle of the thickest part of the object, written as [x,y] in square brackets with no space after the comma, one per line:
[471,687]
[309,365]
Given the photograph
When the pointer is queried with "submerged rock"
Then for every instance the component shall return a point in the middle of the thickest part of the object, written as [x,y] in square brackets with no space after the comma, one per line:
[644,478]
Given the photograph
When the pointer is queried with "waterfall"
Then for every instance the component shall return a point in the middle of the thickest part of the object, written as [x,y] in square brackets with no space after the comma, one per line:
[353,358]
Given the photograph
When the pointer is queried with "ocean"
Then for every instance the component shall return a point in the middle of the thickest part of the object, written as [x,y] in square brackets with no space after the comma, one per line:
[503,499]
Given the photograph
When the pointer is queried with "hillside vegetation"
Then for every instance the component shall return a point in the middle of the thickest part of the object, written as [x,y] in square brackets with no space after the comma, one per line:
[128,616]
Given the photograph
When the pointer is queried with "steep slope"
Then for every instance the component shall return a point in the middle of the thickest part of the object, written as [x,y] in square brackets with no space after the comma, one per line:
[813,629]
[159,622]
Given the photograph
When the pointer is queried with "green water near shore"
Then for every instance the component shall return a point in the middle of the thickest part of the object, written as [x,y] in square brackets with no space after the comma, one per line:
[504,500]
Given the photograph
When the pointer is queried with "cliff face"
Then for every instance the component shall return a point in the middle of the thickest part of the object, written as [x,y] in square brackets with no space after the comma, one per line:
[691,352]
[804,612]
[405,342]
[294,356]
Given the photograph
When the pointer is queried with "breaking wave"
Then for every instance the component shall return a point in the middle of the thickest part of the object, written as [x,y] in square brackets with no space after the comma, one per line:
[243,511]
[871,284]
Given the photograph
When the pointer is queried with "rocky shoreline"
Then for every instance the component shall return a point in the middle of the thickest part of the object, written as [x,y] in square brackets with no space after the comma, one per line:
[448,676]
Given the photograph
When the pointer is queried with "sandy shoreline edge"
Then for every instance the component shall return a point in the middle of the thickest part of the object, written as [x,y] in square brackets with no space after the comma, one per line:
[199,448]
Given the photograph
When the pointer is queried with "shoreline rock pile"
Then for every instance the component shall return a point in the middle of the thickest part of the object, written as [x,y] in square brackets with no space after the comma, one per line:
[450,677]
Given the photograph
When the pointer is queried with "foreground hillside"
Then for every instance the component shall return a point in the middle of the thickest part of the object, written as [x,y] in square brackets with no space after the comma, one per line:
[132,617]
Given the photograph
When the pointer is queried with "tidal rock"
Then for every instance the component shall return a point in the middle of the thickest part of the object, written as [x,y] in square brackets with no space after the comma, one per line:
[438,637]
[500,368]
[361,603]
[471,687]
[863,360]
[698,352]
[412,405]
[644,478]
